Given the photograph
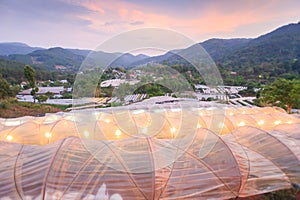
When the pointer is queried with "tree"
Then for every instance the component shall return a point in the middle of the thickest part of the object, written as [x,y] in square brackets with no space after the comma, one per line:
[98,91]
[42,98]
[283,93]
[123,90]
[5,90]
[50,95]
[29,73]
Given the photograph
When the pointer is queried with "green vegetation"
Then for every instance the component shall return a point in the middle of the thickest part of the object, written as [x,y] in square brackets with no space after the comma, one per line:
[240,61]
[5,90]
[115,104]
[59,106]
[86,83]
[10,107]
[42,98]
[29,73]
[263,59]
[13,72]
[47,59]
[283,93]
[9,48]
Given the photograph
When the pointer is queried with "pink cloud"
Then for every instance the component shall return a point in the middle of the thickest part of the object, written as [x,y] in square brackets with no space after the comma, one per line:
[215,17]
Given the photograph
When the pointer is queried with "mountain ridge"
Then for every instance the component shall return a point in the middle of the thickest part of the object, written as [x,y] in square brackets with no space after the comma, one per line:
[8,48]
[277,47]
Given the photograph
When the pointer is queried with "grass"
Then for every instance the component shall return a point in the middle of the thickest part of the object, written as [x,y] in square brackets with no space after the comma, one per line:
[62,107]
[10,108]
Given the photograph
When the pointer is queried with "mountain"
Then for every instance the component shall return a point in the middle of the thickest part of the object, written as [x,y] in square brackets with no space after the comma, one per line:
[279,46]
[71,59]
[80,52]
[272,54]
[218,48]
[127,60]
[8,48]
[155,59]
[13,72]
[50,59]
[277,52]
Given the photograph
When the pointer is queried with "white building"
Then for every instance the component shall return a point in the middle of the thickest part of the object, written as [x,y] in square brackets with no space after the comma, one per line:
[117,82]
[26,94]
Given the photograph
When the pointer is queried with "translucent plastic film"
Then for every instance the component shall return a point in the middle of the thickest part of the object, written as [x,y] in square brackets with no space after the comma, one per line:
[159,154]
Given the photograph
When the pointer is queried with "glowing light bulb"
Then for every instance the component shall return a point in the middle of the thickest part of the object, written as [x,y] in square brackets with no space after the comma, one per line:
[244,112]
[241,124]
[107,120]
[261,122]
[173,130]
[86,133]
[198,125]
[48,135]
[201,113]
[118,133]
[277,122]
[230,113]
[9,138]
[289,122]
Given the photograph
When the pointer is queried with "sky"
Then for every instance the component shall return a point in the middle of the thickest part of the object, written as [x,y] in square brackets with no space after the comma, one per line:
[85,24]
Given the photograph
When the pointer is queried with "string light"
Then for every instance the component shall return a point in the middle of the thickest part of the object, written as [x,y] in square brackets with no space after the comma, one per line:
[86,133]
[9,138]
[241,124]
[173,130]
[107,120]
[277,122]
[118,133]
[48,135]
[198,125]
[261,122]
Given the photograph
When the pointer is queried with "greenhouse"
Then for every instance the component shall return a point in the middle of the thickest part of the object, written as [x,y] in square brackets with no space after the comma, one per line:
[162,152]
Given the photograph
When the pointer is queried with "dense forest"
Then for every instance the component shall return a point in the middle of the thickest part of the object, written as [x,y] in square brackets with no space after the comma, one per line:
[13,72]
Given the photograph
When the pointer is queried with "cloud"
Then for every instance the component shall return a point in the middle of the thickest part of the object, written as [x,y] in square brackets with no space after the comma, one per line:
[88,22]
[194,18]
[136,23]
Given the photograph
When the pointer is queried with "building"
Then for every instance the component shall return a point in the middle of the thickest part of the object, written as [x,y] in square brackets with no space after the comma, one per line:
[117,82]
[26,94]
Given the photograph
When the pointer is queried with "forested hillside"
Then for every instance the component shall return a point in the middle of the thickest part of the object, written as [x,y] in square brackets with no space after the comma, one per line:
[265,58]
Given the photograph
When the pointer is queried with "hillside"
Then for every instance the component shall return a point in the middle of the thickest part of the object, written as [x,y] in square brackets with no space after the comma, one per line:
[219,48]
[279,46]
[58,58]
[8,48]
[11,108]
[50,58]
[13,72]
[274,54]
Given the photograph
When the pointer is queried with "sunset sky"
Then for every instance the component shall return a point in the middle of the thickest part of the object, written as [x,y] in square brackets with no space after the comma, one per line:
[87,23]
